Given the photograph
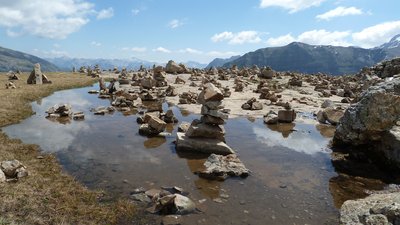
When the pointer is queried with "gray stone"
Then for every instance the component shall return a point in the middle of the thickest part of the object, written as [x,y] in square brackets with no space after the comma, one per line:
[256,106]
[10,168]
[221,167]
[2,177]
[36,75]
[374,209]
[271,118]
[201,130]
[141,197]
[327,104]
[204,145]
[157,124]
[184,205]
[286,116]
[215,113]
[210,93]
[173,67]
[207,119]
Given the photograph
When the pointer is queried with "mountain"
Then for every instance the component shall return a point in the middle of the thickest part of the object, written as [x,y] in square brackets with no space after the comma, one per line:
[306,58]
[218,62]
[66,63]
[392,48]
[14,60]
[193,64]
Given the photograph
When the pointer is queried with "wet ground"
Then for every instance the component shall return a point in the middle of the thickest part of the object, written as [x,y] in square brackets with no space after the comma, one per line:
[293,180]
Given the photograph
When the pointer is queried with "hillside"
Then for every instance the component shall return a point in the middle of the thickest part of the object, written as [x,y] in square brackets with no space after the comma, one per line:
[218,62]
[14,60]
[306,58]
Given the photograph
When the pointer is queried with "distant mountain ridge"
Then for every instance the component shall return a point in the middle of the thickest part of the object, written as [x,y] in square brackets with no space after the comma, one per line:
[15,60]
[219,62]
[305,58]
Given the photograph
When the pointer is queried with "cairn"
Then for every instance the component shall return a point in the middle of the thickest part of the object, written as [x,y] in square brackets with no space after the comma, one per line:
[207,135]
[37,77]
[160,77]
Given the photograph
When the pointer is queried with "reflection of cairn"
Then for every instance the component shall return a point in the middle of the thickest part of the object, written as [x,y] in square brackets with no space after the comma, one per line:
[207,135]
[188,98]
[252,104]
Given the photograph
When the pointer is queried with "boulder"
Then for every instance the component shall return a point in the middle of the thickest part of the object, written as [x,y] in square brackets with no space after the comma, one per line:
[330,115]
[210,93]
[377,112]
[221,167]
[271,118]
[157,124]
[202,130]
[374,209]
[286,116]
[10,168]
[267,73]
[203,145]
[173,67]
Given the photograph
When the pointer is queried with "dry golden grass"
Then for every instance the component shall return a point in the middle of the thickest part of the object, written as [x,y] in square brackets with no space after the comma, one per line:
[47,195]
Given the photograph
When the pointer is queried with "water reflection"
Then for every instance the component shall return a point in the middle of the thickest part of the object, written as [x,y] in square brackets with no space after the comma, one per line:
[305,139]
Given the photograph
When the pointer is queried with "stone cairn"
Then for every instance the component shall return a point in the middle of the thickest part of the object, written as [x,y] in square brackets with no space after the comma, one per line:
[207,135]
[37,77]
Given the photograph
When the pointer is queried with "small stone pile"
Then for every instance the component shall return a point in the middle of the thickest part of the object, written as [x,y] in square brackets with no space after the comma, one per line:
[171,91]
[148,82]
[10,85]
[152,124]
[174,68]
[267,94]
[13,75]
[160,77]
[295,82]
[287,115]
[227,92]
[37,77]
[252,104]
[12,171]
[188,98]
[267,73]
[207,135]
[179,80]
[64,110]
[239,85]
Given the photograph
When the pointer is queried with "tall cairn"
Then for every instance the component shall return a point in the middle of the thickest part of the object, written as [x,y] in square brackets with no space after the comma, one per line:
[207,135]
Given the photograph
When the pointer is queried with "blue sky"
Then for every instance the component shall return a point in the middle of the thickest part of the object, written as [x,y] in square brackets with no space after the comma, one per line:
[183,30]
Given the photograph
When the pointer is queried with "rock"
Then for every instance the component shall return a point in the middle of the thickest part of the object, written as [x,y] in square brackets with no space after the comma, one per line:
[374,209]
[333,115]
[157,124]
[175,204]
[171,91]
[10,168]
[257,106]
[22,172]
[173,67]
[207,119]
[212,112]
[78,116]
[64,110]
[183,205]
[252,104]
[10,85]
[202,130]
[204,145]
[221,167]
[267,73]
[327,104]
[295,81]
[93,91]
[286,116]
[183,127]
[172,220]
[271,118]
[36,75]
[2,177]
[376,113]
[210,93]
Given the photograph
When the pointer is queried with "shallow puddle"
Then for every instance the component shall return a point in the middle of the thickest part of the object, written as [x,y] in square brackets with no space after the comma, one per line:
[292,181]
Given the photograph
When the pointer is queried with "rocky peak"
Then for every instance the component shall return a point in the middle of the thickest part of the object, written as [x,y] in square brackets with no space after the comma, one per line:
[393,43]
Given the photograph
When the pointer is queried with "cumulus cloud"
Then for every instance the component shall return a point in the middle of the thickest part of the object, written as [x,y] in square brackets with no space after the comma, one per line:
[281,40]
[314,37]
[95,43]
[162,50]
[105,14]
[175,24]
[238,38]
[44,18]
[190,51]
[339,12]
[376,35]
[291,5]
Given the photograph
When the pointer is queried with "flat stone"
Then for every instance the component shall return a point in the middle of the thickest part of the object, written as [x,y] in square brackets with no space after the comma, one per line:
[210,93]
[201,130]
[203,145]
[221,167]
[157,124]
[207,119]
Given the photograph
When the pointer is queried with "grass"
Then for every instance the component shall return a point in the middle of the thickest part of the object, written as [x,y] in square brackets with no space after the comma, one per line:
[47,195]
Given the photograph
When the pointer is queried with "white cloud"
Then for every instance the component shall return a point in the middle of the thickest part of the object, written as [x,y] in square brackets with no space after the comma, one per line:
[162,50]
[96,44]
[53,53]
[323,37]
[105,14]
[237,38]
[44,18]
[175,24]
[135,49]
[221,54]
[281,40]
[340,11]
[135,11]
[190,51]
[376,35]
[291,5]
[314,37]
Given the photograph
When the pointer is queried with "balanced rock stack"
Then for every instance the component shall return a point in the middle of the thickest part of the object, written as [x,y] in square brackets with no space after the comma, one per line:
[160,77]
[37,77]
[207,135]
